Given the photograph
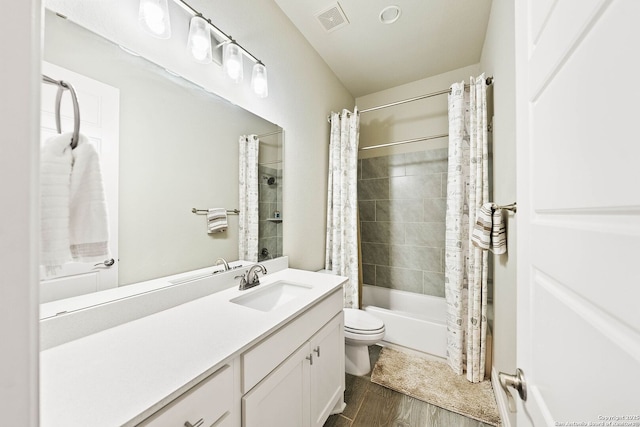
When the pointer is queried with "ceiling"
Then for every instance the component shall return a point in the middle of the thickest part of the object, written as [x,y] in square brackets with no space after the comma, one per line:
[429,38]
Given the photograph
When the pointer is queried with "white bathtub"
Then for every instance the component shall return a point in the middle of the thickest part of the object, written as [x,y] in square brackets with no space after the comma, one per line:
[411,320]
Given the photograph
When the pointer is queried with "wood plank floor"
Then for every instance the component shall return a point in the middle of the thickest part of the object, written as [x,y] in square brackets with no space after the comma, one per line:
[371,405]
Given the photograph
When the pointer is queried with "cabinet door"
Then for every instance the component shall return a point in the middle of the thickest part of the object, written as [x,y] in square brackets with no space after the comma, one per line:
[327,370]
[282,398]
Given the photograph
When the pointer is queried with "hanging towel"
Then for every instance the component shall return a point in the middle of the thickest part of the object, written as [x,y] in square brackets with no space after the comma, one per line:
[489,230]
[55,178]
[498,233]
[216,220]
[88,221]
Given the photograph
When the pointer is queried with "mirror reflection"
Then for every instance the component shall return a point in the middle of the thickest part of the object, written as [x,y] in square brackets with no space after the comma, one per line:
[176,147]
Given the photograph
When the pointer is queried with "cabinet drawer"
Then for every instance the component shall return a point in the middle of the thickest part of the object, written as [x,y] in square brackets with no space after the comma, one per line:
[211,401]
[258,361]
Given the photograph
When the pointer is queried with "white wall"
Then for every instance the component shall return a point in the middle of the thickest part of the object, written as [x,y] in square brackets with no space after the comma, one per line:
[19,230]
[302,91]
[498,59]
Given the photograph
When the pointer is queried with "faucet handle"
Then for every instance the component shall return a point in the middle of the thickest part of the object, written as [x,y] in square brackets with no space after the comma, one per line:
[243,281]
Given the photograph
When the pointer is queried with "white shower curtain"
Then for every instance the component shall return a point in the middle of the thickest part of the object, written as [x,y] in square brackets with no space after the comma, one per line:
[248,185]
[466,266]
[342,203]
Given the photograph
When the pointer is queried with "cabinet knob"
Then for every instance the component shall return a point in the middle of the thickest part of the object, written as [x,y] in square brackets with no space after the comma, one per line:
[197,424]
[310,358]
[317,350]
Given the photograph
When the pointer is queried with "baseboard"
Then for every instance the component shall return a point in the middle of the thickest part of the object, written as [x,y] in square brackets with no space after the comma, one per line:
[501,399]
[339,407]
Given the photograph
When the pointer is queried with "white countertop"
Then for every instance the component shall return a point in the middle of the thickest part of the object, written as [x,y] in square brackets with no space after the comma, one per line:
[121,375]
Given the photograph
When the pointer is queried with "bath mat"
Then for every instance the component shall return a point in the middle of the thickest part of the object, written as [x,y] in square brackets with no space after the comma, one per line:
[434,382]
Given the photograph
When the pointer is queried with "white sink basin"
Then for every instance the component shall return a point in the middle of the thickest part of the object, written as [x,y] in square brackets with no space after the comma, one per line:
[272,296]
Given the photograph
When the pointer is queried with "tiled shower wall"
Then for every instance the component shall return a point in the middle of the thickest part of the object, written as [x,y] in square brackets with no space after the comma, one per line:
[402,200]
[269,229]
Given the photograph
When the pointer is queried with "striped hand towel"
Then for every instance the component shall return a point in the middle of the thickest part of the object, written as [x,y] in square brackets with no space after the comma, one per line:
[489,230]
[216,220]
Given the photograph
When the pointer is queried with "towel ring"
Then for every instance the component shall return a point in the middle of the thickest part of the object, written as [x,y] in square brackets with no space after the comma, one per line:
[62,86]
[76,111]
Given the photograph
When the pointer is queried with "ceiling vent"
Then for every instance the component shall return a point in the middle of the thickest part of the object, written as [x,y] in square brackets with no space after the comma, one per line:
[332,18]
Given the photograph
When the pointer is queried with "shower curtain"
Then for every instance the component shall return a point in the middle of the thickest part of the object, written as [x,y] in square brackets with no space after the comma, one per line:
[248,185]
[466,266]
[342,251]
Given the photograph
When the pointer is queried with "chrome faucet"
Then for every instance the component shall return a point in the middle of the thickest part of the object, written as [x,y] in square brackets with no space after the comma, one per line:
[250,278]
[223,262]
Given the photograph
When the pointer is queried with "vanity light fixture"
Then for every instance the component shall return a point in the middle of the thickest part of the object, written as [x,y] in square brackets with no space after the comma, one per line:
[259,80]
[232,61]
[199,41]
[154,18]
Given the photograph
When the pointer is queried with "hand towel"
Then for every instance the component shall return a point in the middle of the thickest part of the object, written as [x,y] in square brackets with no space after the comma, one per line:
[55,178]
[489,230]
[88,221]
[498,233]
[217,220]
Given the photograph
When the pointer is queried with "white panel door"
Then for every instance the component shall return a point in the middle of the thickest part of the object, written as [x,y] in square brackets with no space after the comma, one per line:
[99,113]
[578,160]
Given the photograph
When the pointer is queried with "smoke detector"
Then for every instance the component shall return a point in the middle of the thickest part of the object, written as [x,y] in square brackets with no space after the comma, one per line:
[390,14]
[332,18]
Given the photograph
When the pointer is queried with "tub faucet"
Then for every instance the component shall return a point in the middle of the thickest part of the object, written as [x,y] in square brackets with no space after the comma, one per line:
[223,262]
[250,278]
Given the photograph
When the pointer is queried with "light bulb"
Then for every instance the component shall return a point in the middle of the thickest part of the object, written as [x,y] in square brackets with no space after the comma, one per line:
[259,80]
[153,16]
[233,62]
[199,42]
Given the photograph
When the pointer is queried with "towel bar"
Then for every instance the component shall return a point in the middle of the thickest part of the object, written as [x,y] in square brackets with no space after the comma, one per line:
[204,211]
[510,207]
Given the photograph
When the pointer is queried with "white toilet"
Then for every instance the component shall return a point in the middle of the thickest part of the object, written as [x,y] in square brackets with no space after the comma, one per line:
[361,329]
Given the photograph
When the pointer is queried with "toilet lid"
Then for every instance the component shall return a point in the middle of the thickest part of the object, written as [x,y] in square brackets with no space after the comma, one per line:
[360,321]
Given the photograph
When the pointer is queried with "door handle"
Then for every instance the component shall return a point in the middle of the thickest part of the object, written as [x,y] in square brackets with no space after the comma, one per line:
[317,350]
[517,382]
[107,263]
[310,358]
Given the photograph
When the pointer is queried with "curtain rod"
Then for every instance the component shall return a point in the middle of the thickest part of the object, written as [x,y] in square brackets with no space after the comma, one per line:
[406,141]
[417,98]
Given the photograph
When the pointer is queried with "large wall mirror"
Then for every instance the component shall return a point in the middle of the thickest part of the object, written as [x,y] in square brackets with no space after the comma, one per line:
[178,150]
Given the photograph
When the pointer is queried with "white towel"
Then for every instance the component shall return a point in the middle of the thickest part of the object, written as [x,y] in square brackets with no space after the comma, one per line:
[489,230]
[55,178]
[88,221]
[217,220]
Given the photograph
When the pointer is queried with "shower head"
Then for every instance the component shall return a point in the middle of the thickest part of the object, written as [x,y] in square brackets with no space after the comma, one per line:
[270,180]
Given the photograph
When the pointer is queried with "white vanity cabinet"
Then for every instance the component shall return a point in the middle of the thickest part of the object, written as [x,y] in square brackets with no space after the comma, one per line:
[308,383]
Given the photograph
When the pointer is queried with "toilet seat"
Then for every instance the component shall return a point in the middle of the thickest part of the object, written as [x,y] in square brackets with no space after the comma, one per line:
[360,322]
